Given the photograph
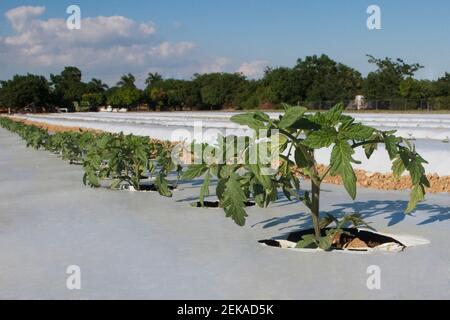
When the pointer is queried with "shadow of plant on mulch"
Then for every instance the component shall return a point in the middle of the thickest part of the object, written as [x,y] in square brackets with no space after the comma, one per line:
[394,211]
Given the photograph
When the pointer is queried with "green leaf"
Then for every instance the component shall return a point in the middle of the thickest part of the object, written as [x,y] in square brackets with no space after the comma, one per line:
[163,186]
[326,242]
[308,242]
[356,131]
[261,116]
[305,124]
[301,159]
[391,145]
[341,158]
[249,119]
[234,200]
[417,195]
[333,115]
[291,116]
[369,149]
[265,180]
[326,221]
[398,167]
[416,169]
[194,171]
[321,139]
[220,188]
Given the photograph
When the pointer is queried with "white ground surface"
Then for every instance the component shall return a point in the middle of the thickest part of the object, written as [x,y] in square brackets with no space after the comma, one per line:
[139,245]
[429,130]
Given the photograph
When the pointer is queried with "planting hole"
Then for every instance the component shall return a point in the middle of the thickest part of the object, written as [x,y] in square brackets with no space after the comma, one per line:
[216,204]
[146,188]
[352,240]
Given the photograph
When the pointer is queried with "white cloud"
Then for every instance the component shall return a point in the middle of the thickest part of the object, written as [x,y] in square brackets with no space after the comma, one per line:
[218,64]
[104,47]
[20,16]
[102,43]
[253,69]
[167,49]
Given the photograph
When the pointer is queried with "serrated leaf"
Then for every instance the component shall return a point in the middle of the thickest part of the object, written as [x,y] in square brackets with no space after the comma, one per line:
[417,195]
[194,171]
[341,158]
[249,119]
[391,145]
[333,115]
[321,139]
[416,169]
[356,131]
[291,116]
[398,167]
[234,200]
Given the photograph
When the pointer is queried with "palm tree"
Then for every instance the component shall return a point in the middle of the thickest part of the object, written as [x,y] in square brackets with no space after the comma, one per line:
[127,80]
[153,78]
[97,86]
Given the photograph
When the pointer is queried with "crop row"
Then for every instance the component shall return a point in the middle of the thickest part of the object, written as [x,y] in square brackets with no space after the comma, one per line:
[116,160]
[289,144]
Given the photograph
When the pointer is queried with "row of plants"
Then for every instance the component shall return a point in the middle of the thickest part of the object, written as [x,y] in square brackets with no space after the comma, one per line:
[114,160]
[126,159]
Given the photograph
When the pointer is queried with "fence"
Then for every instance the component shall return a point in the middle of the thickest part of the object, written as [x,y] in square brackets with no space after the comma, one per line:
[395,104]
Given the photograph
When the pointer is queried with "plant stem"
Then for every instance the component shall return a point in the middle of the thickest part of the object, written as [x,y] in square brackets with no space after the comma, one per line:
[315,213]
[315,198]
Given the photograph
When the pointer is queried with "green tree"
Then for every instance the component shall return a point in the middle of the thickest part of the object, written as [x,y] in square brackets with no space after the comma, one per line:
[218,90]
[158,97]
[384,83]
[67,87]
[126,96]
[25,91]
[93,99]
[442,85]
[323,79]
[153,78]
[281,85]
[96,86]
[127,80]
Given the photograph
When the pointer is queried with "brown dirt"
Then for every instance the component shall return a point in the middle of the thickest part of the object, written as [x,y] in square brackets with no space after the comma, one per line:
[352,239]
[57,128]
[386,181]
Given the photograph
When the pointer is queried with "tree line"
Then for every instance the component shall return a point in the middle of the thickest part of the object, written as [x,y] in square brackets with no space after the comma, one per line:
[312,79]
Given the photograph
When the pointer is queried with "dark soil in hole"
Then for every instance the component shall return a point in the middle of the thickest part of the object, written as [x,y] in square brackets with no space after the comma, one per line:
[151,187]
[215,204]
[353,239]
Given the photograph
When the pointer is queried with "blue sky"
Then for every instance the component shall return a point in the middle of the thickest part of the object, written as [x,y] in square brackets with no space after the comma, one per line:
[181,37]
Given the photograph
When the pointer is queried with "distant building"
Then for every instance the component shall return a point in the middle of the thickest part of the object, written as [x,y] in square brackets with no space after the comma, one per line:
[360,103]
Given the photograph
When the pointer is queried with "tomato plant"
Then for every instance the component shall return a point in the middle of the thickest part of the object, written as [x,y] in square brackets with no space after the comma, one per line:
[127,159]
[237,179]
[306,133]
